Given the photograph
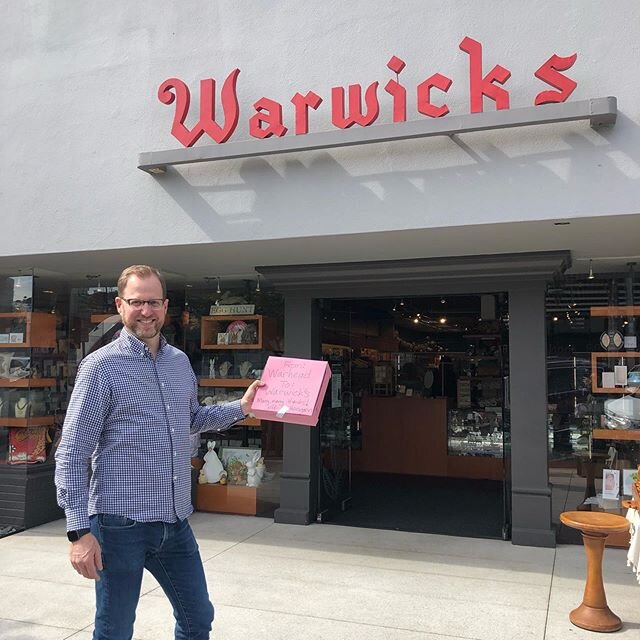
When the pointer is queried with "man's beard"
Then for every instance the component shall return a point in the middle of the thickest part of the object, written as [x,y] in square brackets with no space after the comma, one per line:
[144,332]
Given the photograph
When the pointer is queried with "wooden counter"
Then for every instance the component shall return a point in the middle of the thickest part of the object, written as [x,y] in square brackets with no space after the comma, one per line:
[408,435]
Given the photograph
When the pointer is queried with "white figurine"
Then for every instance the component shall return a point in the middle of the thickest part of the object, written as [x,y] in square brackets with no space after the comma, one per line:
[213,469]
[260,469]
[253,480]
[225,367]
[212,367]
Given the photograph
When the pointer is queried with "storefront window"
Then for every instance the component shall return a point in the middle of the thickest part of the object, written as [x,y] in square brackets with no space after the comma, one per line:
[593,377]
[30,393]
[230,330]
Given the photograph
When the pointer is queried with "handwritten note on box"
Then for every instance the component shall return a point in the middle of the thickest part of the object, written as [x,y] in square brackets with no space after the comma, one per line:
[293,391]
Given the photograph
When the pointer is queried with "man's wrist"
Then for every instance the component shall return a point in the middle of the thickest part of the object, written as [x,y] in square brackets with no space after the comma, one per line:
[75,535]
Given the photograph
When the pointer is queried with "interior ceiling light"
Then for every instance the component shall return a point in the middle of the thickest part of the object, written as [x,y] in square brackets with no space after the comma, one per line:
[442,301]
[555,318]
[218,290]
[590,276]
[415,321]
[401,302]
[258,284]
[443,321]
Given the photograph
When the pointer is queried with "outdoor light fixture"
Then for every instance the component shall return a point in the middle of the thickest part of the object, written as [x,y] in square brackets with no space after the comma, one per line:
[443,321]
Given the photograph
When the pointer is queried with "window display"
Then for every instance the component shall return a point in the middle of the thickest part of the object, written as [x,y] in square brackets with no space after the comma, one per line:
[593,371]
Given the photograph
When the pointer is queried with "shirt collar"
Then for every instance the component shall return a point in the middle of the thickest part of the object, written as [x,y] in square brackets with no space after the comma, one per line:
[137,346]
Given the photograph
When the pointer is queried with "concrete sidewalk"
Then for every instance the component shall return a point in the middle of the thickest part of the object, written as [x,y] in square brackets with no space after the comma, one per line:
[277,582]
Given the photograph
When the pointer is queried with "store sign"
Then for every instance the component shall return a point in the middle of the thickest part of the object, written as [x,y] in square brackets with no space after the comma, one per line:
[347,109]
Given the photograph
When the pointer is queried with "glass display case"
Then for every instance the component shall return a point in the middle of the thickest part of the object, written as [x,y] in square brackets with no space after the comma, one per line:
[475,424]
[475,433]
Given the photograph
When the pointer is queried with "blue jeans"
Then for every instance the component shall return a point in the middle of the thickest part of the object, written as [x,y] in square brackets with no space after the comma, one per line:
[170,553]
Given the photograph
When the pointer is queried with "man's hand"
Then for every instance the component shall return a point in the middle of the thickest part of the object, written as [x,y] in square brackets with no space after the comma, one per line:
[249,395]
[86,556]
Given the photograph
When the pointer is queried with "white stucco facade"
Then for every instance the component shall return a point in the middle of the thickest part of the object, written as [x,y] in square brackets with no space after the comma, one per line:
[80,84]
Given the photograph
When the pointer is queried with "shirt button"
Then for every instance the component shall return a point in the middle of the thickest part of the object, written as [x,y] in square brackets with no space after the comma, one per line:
[175,453]
[163,384]
[168,407]
[175,477]
[173,430]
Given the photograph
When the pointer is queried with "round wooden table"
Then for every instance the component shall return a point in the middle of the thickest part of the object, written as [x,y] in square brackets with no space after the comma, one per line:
[594,614]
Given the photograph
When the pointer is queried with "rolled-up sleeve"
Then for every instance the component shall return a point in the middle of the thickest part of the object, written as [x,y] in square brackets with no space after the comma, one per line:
[84,422]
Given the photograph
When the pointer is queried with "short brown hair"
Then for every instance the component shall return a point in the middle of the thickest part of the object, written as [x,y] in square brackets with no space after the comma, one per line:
[142,271]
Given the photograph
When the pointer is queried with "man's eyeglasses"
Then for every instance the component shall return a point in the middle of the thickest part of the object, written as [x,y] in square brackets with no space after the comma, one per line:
[154,304]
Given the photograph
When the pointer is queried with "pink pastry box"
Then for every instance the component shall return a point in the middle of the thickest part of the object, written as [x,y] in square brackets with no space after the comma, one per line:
[293,391]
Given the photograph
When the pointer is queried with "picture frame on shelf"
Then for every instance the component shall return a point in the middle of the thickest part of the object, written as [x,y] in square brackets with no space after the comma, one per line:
[16,337]
[4,338]
[620,375]
[610,484]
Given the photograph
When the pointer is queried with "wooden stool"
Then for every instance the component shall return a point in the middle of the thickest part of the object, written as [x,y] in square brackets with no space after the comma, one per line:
[594,614]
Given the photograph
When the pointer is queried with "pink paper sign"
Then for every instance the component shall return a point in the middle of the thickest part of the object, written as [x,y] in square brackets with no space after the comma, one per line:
[293,391]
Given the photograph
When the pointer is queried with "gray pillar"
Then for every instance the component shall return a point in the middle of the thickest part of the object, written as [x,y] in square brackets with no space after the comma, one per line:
[531,492]
[299,478]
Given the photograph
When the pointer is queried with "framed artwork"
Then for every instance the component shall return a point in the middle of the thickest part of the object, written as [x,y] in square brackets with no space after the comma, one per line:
[629,476]
[234,460]
[610,484]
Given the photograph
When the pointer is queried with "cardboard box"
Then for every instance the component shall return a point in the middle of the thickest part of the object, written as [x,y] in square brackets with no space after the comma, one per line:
[293,392]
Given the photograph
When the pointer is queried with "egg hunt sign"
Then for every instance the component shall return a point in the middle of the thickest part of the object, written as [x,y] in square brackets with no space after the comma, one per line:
[271,118]
[293,391]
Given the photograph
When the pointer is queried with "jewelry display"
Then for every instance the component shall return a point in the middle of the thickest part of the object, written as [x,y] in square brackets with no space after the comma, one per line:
[225,367]
[244,368]
[22,408]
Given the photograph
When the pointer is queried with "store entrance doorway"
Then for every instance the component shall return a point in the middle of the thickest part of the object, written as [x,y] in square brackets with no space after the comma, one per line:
[414,433]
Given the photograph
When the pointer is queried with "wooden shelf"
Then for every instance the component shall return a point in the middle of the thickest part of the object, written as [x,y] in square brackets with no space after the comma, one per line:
[212,325]
[39,329]
[42,421]
[249,422]
[606,312]
[226,498]
[615,434]
[595,355]
[32,383]
[225,382]
[97,318]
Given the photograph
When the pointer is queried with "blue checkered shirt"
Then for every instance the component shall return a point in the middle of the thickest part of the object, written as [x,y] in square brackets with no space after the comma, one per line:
[133,417]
